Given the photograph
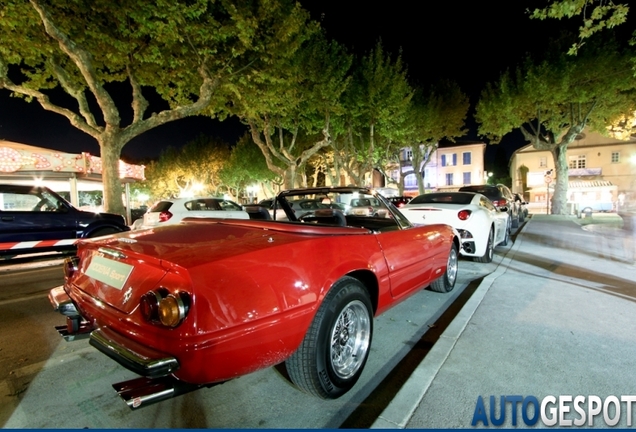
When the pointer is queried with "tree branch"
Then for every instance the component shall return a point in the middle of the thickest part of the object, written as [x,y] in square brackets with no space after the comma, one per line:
[206,90]
[139,102]
[44,101]
[75,91]
[83,61]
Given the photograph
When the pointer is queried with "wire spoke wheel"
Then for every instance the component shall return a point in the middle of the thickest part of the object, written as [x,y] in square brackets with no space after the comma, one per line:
[446,282]
[452,266]
[350,339]
[335,349]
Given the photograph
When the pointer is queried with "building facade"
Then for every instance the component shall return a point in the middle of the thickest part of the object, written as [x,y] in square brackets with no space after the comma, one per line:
[449,167]
[601,170]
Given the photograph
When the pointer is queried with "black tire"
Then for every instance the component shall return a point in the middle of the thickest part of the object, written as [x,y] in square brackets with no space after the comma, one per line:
[103,231]
[515,221]
[446,282]
[506,239]
[335,349]
[490,250]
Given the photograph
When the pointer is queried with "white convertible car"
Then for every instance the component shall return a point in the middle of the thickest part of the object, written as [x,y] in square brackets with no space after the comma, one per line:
[480,224]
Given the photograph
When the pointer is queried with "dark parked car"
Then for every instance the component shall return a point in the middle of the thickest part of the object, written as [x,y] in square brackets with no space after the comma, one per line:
[523,207]
[36,219]
[501,197]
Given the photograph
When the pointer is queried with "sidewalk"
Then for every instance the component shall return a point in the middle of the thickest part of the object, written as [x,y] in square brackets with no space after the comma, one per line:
[555,318]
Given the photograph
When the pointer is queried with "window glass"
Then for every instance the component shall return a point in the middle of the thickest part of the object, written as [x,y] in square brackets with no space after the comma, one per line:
[443,197]
[33,200]
[486,203]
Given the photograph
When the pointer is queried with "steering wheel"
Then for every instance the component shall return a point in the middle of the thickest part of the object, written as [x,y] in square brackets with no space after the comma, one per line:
[309,217]
[44,205]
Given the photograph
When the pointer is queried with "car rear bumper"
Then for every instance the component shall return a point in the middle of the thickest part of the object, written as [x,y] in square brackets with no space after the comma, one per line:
[136,357]
[468,248]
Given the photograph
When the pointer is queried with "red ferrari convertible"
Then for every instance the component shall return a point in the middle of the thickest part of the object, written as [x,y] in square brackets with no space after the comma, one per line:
[208,300]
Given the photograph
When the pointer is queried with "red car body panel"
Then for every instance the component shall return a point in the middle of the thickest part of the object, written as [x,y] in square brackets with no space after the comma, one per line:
[254,286]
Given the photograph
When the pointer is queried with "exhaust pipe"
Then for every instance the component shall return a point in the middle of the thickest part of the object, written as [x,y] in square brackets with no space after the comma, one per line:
[141,392]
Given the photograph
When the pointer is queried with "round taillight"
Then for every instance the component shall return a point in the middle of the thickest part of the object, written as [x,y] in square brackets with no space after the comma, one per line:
[172,310]
[71,265]
[463,214]
[149,305]
[164,216]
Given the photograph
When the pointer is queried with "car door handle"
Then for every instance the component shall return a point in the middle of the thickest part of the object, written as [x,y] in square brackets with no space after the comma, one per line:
[7,218]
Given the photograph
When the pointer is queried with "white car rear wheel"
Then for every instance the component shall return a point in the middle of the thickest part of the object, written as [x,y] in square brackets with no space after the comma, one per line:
[488,255]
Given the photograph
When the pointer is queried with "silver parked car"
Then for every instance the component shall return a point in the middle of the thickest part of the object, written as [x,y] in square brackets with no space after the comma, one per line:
[366,206]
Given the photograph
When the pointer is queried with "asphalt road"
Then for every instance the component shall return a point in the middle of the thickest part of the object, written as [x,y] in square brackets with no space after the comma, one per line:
[46,382]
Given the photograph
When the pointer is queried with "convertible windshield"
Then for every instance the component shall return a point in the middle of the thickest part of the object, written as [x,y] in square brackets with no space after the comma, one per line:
[445,198]
[348,202]
[343,206]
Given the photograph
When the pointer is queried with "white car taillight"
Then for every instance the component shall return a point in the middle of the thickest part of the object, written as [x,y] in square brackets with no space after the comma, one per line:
[164,216]
[464,214]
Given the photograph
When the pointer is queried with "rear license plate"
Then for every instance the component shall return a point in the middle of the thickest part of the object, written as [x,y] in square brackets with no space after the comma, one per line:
[109,272]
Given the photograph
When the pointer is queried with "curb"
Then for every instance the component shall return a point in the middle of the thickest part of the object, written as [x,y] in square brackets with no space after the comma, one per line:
[399,412]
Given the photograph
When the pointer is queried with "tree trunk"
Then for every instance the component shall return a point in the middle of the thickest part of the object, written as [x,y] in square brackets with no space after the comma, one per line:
[110,149]
[290,177]
[560,197]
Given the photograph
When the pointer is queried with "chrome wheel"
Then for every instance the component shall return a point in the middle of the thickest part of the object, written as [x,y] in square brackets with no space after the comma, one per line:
[452,266]
[446,282]
[350,339]
[489,253]
[332,355]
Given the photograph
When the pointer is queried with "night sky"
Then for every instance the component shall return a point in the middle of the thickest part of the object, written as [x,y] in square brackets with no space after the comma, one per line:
[467,41]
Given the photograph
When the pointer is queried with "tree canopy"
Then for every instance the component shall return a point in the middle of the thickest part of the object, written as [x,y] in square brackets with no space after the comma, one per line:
[437,113]
[553,99]
[192,54]
[246,168]
[376,114]
[290,117]
[596,16]
[191,170]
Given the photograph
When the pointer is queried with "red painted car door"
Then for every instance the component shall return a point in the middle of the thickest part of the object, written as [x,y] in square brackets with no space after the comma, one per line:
[408,254]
